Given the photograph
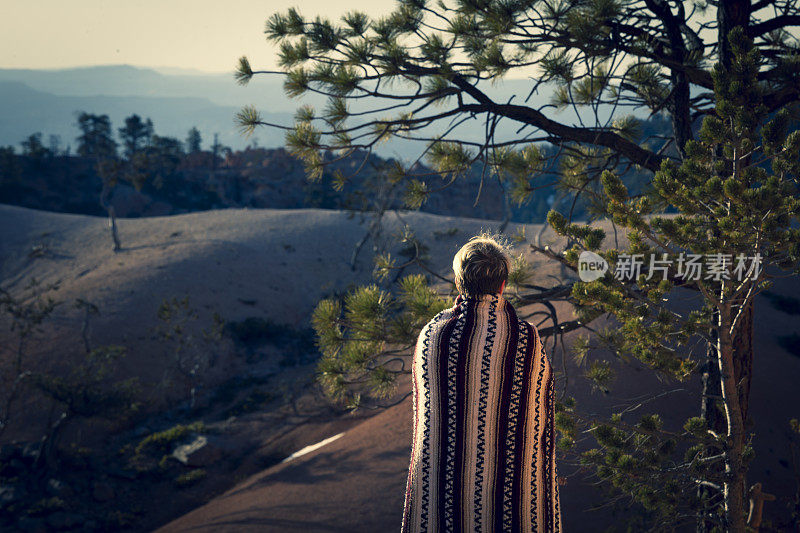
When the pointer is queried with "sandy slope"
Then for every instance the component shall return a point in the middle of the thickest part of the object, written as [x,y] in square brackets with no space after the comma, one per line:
[355,483]
[273,264]
[283,259]
[277,264]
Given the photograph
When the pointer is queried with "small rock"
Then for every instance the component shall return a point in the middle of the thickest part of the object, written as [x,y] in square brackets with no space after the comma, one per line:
[32,525]
[200,452]
[102,491]
[64,520]
[56,487]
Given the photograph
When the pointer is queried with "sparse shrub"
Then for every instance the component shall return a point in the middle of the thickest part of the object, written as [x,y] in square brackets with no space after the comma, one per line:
[153,451]
[117,519]
[252,402]
[79,451]
[46,506]
[125,449]
[24,315]
[443,234]
[227,392]
[88,391]
[165,462]
[191,355]
[160,442]
[190,478]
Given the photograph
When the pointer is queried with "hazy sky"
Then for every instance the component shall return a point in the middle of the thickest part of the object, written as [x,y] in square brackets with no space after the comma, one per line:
[208,35]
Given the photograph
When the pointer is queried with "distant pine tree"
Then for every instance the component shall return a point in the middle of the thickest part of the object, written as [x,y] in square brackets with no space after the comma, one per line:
[95,139]
[33,147]
[135,135]
[193,141]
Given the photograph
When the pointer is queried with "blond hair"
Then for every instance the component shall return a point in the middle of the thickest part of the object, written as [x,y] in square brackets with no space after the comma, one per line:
[481,265]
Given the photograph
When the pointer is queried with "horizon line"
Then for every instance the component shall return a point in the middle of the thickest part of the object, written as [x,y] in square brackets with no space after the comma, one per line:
[189,71]
[130,65]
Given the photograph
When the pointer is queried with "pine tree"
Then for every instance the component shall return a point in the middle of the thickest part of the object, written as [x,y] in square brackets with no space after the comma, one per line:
[736,193]
[95,139]
[158,162]
[216,149]
[135,135]
[54,145]
[10,169]
[193,141]
[33,147]
[97,142]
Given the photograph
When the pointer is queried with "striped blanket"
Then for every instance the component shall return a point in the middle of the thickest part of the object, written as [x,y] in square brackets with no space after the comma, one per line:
[482,457]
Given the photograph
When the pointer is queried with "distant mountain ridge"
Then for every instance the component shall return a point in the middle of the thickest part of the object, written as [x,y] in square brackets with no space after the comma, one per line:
[209,101]
[93,89]
[126,80]
[25,110]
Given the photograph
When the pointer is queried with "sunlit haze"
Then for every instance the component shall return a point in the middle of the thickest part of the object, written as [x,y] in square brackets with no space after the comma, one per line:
[192,34]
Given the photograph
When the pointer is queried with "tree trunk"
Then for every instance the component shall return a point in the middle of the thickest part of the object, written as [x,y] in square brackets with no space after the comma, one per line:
[743,359]
[734,486]
[715,421]
[105,195]
[679,101]
[680,111]
[506,213]
[112,222]
[742,364]
[730,13]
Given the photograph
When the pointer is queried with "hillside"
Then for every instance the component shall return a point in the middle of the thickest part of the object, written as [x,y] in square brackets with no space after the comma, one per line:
[356,482]
[271,266]
[275,265]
